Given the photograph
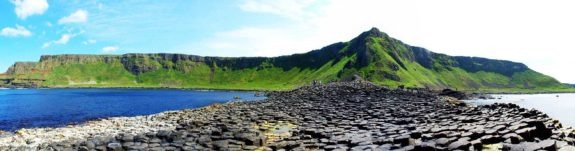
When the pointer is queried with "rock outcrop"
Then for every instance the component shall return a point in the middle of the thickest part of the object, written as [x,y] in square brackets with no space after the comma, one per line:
[373,55]
[21,68]
[354,115]
[471,64]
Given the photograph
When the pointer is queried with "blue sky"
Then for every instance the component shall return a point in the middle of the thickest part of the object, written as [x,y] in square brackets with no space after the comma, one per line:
[538,33]
[102,27]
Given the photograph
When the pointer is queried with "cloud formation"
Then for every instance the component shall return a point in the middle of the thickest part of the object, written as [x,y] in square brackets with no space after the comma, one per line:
[26,8]
[286,8]
[539,31]
[110,49]
[89,42]
[64,39]
[536,30]
[19,31]
[79,16]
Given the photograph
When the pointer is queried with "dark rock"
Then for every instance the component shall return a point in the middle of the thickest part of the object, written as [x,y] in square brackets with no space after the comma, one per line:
[452,93]
[424,146]
[461,145]
[514,138]
[115,147]
[541,131]
[221,144]
[127,138]
[491,139]
[81,148]
[250,139]
[442,141]
[403,140]
[415,134]
[477,145]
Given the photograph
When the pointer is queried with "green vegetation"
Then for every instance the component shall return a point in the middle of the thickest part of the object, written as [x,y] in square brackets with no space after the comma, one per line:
[93,74]
[373,56]
[202,76]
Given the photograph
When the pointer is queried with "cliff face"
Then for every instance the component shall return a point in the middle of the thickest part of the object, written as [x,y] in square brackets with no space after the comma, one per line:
[21,68]
[471,64]
[372,55]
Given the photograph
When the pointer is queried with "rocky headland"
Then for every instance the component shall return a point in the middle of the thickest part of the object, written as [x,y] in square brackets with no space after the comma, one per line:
[336,116]
[373,55]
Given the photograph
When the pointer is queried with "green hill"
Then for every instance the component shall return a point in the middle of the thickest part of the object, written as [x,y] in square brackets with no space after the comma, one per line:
[373,55]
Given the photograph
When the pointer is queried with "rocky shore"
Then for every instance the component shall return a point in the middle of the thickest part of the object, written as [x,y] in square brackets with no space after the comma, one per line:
[337,116]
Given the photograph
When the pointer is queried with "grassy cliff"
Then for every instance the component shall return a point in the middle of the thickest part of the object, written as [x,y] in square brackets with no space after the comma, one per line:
[373,55]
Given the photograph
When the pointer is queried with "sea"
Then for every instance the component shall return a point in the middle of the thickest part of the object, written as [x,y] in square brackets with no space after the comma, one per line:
[560,106]
[30,108]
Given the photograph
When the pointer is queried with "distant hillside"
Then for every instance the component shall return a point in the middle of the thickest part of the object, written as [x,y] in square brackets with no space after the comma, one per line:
[373,55]
[570,85]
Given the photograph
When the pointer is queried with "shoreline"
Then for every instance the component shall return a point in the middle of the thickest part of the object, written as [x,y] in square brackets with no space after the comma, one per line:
[150,88]
[520,93]
[351,115]
[104,127]
[143,88]
[556,105]
[504,91]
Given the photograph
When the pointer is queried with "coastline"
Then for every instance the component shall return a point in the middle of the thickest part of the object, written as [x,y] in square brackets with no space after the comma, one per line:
[152,88]
[556,105]
[208,88]
[351,115]
[526,91]
[39,138]
[147,88]
[522,93]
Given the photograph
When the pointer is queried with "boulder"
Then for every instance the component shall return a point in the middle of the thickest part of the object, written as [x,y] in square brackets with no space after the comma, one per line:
[460,144]
[114,147]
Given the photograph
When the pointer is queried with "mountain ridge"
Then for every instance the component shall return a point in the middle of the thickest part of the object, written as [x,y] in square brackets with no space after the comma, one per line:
[372,55]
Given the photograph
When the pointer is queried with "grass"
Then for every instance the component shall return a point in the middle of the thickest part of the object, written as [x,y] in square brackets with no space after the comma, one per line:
[391,64]
[442,76]
[97,74]
[197,76]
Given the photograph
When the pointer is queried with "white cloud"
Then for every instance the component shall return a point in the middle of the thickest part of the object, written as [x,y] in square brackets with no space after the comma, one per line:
[49,24]
[46,45]
[533,32]
[80,16]
[19,31]
[110,49]
[286,8]
[89,41]
[260,42]
[64,39]
[26,8]
[312,27]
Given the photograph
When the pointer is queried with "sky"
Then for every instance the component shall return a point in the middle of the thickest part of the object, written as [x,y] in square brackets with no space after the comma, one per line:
[537,33]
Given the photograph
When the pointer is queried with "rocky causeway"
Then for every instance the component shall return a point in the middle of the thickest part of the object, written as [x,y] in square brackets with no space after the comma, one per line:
[336,116]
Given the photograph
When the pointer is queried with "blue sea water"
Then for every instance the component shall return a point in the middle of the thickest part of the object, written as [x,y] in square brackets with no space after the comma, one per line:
[557,106]
[27,108]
